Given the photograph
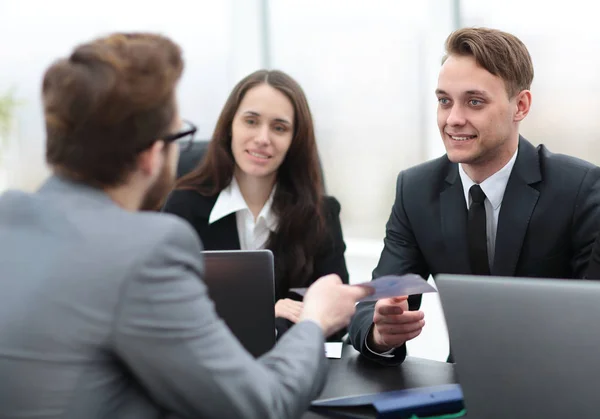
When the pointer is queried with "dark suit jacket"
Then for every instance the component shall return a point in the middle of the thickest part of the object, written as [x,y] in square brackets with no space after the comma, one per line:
[223,235]
[593,271]
[546,226]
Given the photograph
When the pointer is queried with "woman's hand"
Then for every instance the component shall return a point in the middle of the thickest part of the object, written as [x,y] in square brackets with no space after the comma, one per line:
[289,309]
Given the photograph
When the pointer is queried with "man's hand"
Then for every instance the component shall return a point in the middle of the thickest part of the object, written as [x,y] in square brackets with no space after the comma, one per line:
[394,324]
[331,304]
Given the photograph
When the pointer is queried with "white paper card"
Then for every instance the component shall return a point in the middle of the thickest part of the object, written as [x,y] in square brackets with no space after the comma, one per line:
[333,349]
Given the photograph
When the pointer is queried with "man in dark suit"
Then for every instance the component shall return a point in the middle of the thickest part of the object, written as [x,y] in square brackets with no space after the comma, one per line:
[494,204]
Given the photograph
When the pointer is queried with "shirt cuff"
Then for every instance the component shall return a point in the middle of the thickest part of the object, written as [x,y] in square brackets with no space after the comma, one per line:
[386,354]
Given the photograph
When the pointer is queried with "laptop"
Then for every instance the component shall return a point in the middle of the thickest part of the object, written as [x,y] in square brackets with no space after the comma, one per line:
[242,285]
[524,347]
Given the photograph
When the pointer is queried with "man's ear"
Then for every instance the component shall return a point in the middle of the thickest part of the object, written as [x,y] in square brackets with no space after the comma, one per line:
[151,160]
[523,102]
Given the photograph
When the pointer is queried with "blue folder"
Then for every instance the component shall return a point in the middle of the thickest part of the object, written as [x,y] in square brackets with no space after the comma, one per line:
[423,401]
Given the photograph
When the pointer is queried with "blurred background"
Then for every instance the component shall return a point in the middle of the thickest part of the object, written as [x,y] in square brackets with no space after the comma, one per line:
[369,70]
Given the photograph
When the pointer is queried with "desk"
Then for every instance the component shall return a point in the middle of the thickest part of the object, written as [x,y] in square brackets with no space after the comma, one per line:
[353,375]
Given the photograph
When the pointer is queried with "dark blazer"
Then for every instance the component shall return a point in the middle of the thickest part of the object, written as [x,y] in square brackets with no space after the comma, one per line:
[546,226]
[223,235]
[593,271]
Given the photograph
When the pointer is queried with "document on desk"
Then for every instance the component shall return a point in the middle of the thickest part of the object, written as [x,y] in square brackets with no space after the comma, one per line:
[333,349]
[390,286]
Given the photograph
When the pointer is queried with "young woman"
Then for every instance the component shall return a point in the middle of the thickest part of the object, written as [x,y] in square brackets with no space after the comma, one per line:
[259,187]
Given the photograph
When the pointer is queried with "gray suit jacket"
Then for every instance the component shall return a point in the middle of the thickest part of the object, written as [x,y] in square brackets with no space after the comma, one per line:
[103,314]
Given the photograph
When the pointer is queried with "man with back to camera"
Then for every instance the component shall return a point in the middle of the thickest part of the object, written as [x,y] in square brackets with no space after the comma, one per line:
[103,312]
[493,205]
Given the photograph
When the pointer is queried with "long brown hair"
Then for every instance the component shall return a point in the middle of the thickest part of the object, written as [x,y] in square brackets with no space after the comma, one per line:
[299,194]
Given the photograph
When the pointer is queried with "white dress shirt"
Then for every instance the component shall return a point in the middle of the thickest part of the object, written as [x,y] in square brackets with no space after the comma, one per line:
[493,188]
[253,233]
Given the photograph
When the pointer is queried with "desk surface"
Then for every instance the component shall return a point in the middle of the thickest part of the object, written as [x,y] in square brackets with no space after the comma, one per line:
[353,375]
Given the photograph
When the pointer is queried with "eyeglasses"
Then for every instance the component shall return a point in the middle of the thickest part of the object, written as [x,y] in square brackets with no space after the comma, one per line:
[185,137]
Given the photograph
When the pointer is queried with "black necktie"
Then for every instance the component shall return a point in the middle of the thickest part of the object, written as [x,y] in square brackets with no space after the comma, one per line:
[477,234]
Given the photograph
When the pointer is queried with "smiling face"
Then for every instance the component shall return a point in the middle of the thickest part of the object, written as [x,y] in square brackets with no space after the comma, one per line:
[262,131]
[477,120]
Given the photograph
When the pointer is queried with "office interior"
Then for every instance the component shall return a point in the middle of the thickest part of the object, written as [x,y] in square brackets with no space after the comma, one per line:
[369,70]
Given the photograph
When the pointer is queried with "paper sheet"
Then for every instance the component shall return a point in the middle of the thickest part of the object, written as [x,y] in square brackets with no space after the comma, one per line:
[390,286]
[333,349]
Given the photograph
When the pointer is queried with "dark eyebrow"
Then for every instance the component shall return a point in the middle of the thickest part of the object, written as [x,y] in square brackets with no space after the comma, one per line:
[280,120]
[477,93]
[474,92]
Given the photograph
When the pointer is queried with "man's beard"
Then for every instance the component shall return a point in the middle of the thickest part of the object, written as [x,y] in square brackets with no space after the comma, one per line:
[157,193]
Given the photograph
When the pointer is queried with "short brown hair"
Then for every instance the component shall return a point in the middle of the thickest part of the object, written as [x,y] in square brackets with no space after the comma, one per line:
[500,53]
[109,100]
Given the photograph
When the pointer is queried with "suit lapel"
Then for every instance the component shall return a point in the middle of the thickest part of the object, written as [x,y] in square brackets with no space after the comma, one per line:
[518,203]
[453,212]
[220,235]
[223,234]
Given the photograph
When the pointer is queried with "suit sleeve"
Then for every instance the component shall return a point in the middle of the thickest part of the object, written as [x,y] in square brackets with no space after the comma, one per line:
[586,219]
[401,254]
[168,334]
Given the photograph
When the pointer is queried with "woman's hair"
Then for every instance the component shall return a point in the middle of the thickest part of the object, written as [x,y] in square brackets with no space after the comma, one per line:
[298,197]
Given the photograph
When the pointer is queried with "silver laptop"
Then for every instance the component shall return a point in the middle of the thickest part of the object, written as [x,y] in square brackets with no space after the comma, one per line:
[242,286]
[524,347]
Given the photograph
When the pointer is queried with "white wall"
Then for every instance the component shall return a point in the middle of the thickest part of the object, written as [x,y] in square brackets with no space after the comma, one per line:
[562,38]
[32,39]
[366,70]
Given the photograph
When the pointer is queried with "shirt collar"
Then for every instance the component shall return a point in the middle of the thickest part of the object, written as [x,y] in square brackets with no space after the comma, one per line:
[493,187]
[231,201]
